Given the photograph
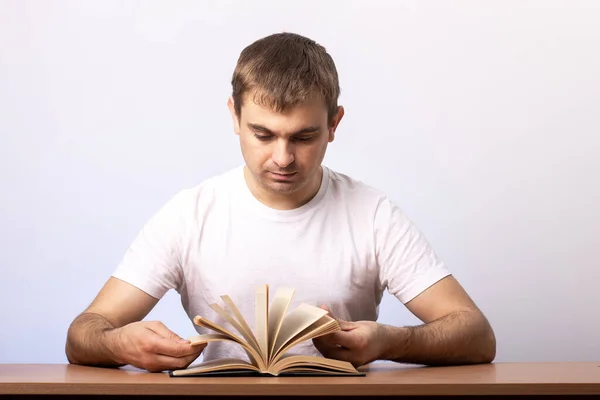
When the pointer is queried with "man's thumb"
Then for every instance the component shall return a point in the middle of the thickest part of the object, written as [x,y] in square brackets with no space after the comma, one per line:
[160,329]
[324,307]
[344,325]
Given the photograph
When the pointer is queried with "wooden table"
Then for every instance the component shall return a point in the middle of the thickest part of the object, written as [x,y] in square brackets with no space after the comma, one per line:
[385,379]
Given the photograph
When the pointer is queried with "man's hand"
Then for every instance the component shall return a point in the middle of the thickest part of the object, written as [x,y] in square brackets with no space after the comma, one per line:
[151,346]
[358,342]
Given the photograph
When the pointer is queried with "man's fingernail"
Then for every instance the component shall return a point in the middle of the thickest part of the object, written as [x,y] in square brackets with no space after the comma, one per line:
[183,340]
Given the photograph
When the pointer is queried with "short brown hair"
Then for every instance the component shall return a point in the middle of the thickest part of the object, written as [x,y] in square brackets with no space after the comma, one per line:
[285,69]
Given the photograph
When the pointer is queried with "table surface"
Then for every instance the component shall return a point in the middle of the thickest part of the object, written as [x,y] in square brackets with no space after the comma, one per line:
[380,379]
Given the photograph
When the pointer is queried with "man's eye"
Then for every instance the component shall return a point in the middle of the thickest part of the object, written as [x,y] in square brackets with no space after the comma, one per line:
[304,139]
[262,137]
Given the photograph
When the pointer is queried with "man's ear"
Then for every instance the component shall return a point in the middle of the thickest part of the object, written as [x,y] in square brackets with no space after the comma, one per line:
[234,117]
[335,122]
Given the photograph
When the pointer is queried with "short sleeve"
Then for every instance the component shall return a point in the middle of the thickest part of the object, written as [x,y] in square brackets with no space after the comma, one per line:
[407,263]
[152,262]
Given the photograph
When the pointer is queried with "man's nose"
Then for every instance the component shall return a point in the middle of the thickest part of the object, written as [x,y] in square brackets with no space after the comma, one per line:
[283,154]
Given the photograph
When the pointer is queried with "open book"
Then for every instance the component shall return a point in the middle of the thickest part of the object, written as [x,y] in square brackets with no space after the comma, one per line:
[275,333]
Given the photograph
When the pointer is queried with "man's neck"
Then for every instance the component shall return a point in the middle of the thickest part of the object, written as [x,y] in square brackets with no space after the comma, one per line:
[282,201]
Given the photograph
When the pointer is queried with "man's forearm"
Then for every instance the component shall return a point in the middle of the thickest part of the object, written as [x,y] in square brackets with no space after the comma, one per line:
[88,341]
[463,337]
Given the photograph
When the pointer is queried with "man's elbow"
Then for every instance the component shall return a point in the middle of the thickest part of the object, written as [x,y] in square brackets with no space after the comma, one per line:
[70,358]
[69,349]
[486,348]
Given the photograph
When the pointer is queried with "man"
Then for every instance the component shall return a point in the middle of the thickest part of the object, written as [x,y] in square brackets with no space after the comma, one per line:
[286,220]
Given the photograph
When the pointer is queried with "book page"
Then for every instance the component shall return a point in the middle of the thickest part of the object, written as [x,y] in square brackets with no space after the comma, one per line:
[261,302]
[280,304]
[222,364]
[231,307]
[295,322]
[308,363]
[322,326]
[252,353]
[203,322]
[247,335]
[208,337]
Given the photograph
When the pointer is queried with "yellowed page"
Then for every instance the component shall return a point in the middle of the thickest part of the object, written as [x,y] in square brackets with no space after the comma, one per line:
[295,322]
[247,335]
[203,322]
[231,307]
[252,353]
[261,302]
[222,364]
[280,304]
[322,326]
[308,362]
[208,337]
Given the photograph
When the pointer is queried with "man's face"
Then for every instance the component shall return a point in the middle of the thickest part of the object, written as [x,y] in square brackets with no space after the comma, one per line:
[284,151]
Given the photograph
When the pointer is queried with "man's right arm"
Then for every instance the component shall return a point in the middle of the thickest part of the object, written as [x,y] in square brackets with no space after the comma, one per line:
[88,341]
[110,333]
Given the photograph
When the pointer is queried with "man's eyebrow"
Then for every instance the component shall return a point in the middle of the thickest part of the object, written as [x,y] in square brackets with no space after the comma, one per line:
[260,128]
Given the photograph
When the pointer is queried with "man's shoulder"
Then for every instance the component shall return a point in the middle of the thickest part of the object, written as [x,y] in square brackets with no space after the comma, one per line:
[208,189]
[349,187]
[224,180]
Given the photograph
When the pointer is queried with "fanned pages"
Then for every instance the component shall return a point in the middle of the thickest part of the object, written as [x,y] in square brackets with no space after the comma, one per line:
[238,316]
[276,331]
[261,304]
[281,302]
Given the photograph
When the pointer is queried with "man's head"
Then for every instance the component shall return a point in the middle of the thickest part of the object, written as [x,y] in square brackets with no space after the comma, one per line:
[284,107]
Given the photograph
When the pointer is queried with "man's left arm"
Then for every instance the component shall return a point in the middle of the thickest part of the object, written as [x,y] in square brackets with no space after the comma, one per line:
[454,332]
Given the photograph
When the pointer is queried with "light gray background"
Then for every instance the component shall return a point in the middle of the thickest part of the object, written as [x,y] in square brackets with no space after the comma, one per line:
[480,118]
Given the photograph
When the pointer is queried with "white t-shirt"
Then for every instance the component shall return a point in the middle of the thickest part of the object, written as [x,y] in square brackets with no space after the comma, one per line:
[343,249]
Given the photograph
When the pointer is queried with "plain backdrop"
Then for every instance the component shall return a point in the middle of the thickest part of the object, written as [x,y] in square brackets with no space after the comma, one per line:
[480,118]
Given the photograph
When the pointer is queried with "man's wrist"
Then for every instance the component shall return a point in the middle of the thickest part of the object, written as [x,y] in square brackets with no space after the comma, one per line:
[111,341]
[394,342]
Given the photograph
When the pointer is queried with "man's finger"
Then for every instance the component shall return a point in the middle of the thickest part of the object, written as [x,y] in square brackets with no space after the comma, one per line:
[160,329]
[347,325]
[323,340]
[324,307]
[343,339]
[344,325]
[323,345]
[338,353]
[162,362]
[171,348]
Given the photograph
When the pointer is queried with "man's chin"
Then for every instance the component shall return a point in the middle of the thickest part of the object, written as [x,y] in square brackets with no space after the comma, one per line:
[282,187]
[278,186]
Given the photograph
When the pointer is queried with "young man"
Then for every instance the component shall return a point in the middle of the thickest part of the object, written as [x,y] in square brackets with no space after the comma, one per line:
[286,220]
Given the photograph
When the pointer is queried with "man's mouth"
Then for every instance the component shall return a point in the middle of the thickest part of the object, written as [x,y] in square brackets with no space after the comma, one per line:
[283,175]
